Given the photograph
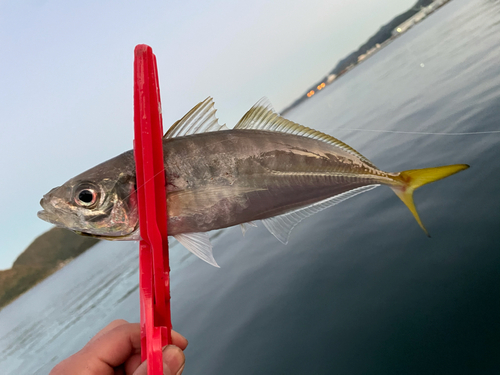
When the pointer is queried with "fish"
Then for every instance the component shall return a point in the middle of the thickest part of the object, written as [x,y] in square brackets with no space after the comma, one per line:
[266,168]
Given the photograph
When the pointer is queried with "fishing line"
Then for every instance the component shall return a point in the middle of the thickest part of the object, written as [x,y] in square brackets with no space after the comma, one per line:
[145,182]
[419,133]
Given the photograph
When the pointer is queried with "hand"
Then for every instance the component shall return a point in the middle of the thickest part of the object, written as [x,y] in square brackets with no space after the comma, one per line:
[116,349]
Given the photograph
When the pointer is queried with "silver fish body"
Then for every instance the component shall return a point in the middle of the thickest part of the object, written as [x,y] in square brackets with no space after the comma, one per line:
[266,168]
[221,179]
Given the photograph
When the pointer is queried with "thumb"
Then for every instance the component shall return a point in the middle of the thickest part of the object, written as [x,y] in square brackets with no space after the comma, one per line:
[173,362]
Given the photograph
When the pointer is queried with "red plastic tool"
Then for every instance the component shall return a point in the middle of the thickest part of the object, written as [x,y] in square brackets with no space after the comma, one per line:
[154,268]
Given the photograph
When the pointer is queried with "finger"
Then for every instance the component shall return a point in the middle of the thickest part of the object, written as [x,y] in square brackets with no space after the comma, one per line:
[114,347]
[132,364]
[109,327]
[173,362]
[134,361]
[179,340]
[105,352]
[116,344]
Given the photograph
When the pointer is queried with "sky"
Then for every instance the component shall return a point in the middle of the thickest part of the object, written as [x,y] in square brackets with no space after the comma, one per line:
[66,77]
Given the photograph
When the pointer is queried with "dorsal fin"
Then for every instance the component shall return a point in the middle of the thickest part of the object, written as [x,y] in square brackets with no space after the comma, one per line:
[200,119]
[262,116]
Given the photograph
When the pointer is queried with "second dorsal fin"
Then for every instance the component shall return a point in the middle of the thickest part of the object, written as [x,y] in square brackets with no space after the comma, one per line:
[200,119]
[262,116]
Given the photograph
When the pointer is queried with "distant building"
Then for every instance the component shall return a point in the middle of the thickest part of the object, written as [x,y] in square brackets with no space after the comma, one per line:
[368,53]
[417,17]
[406,25]
[371,50]
[330,78]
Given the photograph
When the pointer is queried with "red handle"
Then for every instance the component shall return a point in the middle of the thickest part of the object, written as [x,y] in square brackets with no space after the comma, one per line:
[154,269]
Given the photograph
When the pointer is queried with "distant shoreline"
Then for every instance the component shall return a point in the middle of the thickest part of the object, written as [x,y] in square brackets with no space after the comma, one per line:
[48,253]
[387,33]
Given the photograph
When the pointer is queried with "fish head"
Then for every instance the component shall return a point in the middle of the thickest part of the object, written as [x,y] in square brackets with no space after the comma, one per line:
[101,203]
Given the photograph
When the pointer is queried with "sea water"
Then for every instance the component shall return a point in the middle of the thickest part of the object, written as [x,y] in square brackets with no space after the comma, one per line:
[359,289]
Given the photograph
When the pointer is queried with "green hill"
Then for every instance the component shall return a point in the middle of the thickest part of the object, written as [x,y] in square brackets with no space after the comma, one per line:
[46,254]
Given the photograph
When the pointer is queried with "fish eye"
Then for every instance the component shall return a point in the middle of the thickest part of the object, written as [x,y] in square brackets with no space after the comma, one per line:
[86,197]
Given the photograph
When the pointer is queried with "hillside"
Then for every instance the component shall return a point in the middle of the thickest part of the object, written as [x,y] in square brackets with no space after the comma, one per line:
[46,254]
[381,36]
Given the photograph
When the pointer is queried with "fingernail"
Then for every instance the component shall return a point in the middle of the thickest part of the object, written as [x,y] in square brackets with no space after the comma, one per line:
[173,360]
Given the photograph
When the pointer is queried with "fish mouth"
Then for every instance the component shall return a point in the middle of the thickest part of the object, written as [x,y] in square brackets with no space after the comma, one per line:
[49,217]
[48,214]
[126,237]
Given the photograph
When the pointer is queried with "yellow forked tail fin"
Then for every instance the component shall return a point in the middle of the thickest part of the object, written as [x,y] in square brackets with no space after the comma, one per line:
[414,178]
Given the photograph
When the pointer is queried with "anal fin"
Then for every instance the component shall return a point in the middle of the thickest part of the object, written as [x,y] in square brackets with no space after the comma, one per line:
[246,226]
[281,226]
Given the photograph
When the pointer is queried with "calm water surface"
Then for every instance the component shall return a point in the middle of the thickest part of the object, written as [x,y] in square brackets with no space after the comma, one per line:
[359,289]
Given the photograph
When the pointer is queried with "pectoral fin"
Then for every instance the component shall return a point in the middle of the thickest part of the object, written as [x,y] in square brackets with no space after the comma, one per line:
[199,244]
